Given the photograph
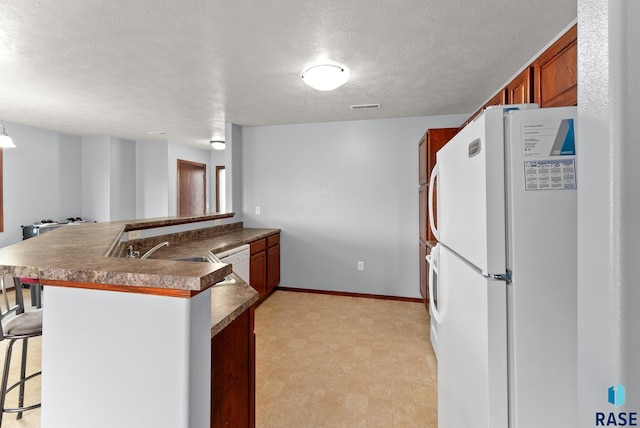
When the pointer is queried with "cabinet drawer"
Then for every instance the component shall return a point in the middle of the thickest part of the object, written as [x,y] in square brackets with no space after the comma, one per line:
[273,240]
[257,246]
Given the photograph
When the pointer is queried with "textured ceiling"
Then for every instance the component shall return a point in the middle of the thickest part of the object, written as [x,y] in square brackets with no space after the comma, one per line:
[123,68]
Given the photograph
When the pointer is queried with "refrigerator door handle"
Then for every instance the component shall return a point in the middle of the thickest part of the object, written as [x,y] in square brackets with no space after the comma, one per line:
[432,180]
[432,269]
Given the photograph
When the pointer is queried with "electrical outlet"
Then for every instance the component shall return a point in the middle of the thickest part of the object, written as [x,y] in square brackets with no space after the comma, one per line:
[217,222]
[134,234]
[257,210]
[360,265]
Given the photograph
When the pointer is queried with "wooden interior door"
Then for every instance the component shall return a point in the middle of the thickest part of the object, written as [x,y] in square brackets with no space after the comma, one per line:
[192,188]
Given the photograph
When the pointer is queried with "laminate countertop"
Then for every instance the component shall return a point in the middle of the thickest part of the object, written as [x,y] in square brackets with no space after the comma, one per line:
[86,253]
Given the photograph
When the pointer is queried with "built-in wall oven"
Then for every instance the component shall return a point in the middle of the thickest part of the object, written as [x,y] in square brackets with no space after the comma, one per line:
[432,260]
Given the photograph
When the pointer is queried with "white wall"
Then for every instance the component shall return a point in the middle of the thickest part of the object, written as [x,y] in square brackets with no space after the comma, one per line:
[95,177]
[152,179]
[234,167]
[608,206]
[122,179]
[217,158]
[341,192]
[108,178]
[50,175]
[156,175]
[42,179]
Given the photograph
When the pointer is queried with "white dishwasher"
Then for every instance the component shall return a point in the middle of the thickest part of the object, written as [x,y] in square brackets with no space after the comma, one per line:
[238,258]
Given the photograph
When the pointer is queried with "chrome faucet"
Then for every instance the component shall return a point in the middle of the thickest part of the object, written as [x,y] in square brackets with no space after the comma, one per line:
[154,249]
[131,253]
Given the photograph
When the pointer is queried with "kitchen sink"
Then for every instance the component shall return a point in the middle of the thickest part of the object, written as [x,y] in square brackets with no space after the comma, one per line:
[227,280]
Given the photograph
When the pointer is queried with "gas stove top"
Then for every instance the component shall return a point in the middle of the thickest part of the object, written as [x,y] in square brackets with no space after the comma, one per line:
[46,225]
[49,222]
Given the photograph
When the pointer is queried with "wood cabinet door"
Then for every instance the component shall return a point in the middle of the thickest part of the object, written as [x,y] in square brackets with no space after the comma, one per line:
[423,272]
[233,374]
[436,139]
[423,213]
[555,72]
[423,174]
[273,267]
[498,99]
[258,272]
[520,90]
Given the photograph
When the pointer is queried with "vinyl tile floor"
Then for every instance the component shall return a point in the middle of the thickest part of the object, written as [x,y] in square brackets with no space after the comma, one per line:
[336,361]
[327,361]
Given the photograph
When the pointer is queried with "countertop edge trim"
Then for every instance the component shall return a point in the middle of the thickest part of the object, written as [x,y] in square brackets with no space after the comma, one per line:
[163,222]
[167,292]
[115,243]
[222,324]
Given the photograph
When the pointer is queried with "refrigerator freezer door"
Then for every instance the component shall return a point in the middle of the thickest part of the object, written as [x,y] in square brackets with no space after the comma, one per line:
[542,254]
[471,200]
[472,347]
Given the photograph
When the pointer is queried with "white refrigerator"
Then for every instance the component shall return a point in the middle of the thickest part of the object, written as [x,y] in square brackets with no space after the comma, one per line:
[506,270]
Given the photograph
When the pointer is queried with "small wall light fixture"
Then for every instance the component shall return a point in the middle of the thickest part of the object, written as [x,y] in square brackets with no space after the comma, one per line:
[325,77]
[5,141]
[217,144]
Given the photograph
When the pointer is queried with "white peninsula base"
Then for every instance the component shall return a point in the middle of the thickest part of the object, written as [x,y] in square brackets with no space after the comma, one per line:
[118,359]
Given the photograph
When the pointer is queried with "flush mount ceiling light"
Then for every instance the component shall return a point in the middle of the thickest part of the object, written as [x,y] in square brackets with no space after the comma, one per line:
[5,141]
[325,77]
[217,144]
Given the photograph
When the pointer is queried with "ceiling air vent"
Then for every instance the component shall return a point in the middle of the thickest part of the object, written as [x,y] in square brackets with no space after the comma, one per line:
[365,106]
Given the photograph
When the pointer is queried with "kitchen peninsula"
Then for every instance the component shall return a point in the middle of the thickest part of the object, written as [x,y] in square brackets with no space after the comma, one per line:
[127,341]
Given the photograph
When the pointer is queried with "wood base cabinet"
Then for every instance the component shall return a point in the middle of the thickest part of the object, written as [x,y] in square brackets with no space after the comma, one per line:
[424,272]
[258,266]
[233,374]
[273,262]
[264,264]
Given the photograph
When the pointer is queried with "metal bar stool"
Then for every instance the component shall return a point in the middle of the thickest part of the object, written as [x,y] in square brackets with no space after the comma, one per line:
[33,284]
[17,324]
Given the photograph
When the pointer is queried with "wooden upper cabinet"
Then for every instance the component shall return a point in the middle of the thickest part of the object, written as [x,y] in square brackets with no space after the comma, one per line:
[498,99]
[436,139]
[555,72]
[423,194]
[551,80]
[520,90]
[432,141]
[423,174]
